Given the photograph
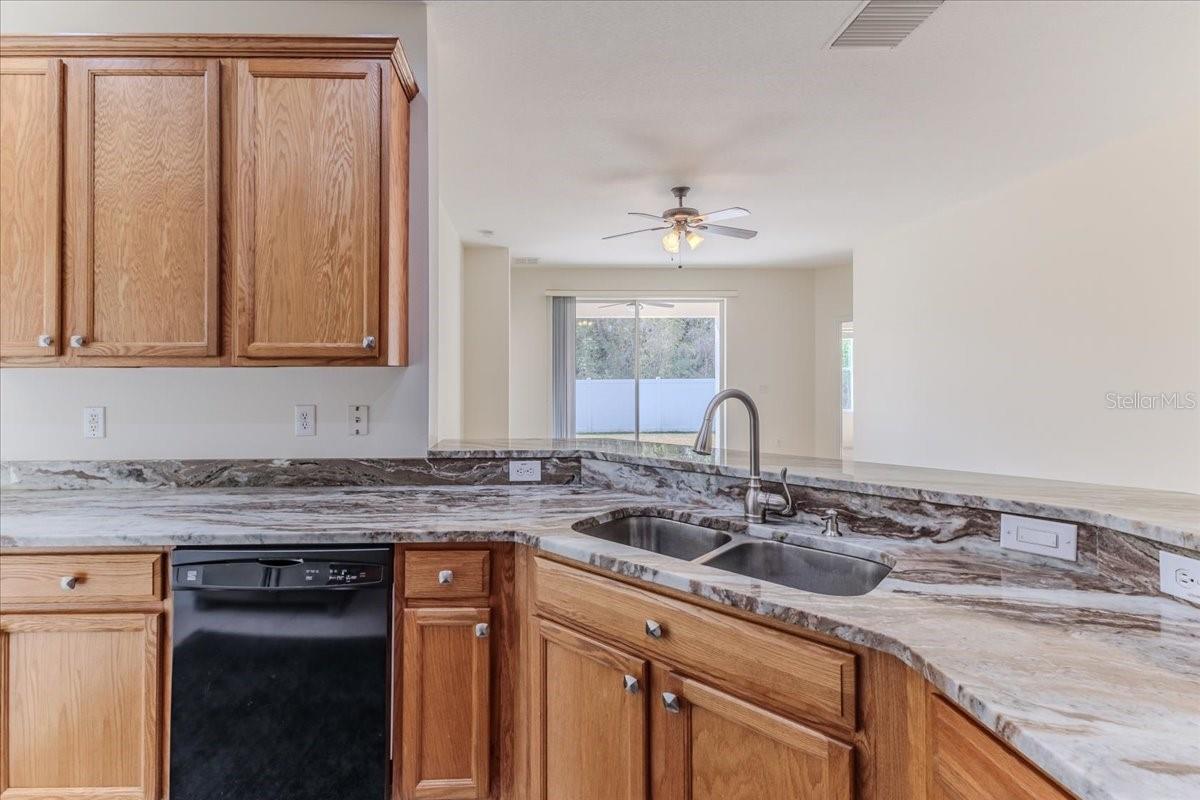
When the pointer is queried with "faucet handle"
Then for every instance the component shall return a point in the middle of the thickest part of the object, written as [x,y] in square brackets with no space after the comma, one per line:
[789,506]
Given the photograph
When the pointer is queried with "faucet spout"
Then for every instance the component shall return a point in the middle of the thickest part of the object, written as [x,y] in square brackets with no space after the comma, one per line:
[758,501]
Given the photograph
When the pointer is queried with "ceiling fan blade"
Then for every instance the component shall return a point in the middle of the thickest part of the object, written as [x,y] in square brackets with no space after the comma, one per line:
[657,305]
[725,230]
[724,213]
[650,216]
[631,233]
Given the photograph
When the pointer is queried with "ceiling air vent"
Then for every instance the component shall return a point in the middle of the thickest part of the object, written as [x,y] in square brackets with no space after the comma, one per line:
[525,261]
[884,23]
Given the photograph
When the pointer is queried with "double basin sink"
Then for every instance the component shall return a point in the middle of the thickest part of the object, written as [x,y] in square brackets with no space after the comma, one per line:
[796,566]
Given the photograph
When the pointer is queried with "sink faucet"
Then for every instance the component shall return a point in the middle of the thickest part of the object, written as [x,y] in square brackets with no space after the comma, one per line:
[758,500]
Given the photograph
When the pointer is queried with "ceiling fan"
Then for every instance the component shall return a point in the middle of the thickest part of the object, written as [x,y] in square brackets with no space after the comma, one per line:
[640,304]
[684,223]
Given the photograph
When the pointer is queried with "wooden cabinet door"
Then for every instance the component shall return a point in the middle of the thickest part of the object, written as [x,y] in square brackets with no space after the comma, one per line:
[588,718]
[445,697]
[307,220]
[143,189]
[30,213]
[712,746]
[79,705]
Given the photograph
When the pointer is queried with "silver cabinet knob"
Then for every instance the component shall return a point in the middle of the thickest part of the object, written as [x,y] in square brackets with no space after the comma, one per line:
[653,629]
[670,702]
[368,342]
[482,630]
[77,340]
[45,340]
[631,684]
[446,577]
[68,582]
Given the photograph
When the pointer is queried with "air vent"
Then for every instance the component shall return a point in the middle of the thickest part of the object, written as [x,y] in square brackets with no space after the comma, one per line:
[525,261]
[884,23]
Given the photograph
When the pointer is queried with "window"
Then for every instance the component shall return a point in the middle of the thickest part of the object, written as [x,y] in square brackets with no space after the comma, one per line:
[645,369]
[847,366]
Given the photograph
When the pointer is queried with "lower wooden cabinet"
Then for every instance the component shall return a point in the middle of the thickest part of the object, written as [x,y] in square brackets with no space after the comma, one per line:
[80,705]
[446,697]
[588,720]
[709,745]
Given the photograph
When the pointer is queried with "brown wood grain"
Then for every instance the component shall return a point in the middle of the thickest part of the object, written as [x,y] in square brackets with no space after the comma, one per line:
[146,276]
[80,706]
[588,734]
[30,205]
[308,198]
[471,574]
[719,747]
[447,705]
[782,671]
[394,306]
[102,579]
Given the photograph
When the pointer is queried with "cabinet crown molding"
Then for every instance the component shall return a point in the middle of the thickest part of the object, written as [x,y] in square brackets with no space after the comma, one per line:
[213,45]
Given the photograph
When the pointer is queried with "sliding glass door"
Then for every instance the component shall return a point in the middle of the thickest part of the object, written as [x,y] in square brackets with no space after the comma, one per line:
[645,368]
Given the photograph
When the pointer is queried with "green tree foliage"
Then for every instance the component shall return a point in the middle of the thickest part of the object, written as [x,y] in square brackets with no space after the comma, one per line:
[670,348]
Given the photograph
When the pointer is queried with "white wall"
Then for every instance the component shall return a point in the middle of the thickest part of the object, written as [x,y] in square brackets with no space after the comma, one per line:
[242,412]
[987,336]
[769,329]
[449,330]
[485,339]
[833,304]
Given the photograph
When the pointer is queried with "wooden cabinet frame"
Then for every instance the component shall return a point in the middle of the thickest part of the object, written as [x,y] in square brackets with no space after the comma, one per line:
[82,88]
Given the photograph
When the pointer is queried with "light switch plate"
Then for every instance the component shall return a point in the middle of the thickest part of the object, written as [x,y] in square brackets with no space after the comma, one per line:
[519,471]
[305,420]
[1039,536]
[360,420]
[93,422]
[1179,575]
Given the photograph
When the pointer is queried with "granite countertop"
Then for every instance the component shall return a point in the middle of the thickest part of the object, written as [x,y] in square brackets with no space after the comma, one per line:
[1095,680]
[1171,518]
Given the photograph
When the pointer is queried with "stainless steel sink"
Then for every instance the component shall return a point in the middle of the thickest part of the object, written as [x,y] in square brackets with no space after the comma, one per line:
[667,536]
[800,567]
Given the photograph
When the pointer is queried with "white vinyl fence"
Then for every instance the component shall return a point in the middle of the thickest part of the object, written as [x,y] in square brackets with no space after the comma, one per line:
[668,404]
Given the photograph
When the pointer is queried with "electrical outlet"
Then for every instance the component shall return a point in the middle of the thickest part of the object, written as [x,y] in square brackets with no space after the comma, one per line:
[93,422]
[519,471]
[360,420]
[1179,575]
[1041,537]
[305,420]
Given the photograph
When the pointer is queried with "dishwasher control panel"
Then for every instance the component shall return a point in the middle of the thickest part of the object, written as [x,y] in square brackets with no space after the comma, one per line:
[296,574]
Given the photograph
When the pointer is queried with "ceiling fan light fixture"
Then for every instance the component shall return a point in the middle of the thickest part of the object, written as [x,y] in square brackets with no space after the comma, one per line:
[694,239]
[670,241]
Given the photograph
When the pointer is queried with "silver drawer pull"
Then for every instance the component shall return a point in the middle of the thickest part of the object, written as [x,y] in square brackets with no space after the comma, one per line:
[77,340]
[45,340]
[446,577]
[670,702]
[368,342]
[631,684]
[482,630]
[653,629]
[68,582]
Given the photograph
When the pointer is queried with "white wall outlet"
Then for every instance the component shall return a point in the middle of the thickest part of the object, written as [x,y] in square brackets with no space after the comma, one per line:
[1179,575]
[1038,536]
[524,471]
[93,422]
[305,420]
[360,420]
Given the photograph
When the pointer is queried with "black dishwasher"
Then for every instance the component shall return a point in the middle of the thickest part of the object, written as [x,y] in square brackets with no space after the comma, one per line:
[280,675]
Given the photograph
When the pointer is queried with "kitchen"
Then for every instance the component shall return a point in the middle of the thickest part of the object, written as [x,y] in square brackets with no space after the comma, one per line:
[330,471]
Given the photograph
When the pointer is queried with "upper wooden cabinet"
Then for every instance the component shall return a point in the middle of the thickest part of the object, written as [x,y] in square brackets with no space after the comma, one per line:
[215,200]
[30,216]
[144,191]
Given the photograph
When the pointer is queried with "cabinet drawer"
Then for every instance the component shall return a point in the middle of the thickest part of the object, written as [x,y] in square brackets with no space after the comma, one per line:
[80,579]
[969,764]
[785,672]
[446,574]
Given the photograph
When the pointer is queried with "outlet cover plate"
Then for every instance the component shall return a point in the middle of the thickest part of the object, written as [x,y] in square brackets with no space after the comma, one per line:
[360,420]
[525,471]
[93,422]
[305,420]
[1179,576]
[1041,537]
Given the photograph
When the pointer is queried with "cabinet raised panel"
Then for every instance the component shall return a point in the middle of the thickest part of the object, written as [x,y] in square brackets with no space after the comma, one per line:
[79,705]
[144,186]
[718,747]
[307,219]
[446,704]
[30,221]
[588,729]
